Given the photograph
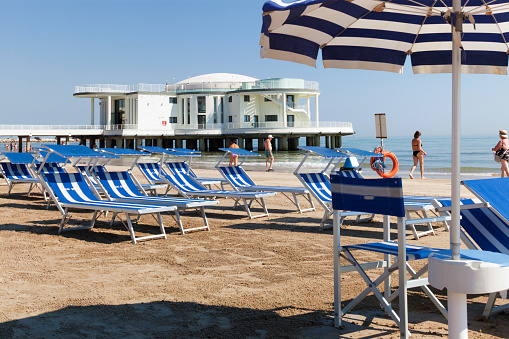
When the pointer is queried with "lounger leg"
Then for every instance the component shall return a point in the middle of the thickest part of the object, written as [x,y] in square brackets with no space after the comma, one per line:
[179,222]
[336,219]
[130,228]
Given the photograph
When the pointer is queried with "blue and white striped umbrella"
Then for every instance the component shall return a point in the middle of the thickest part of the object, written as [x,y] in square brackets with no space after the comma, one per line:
[378,35]
[441,36]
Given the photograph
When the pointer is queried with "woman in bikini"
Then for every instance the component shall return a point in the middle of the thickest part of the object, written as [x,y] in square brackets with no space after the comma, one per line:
[418,154]
[503,144]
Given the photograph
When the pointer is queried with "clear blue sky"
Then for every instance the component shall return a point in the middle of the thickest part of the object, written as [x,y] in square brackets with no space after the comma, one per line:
[48,47]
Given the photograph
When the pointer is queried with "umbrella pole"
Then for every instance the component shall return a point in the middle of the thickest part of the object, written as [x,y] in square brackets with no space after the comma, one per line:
[458,326]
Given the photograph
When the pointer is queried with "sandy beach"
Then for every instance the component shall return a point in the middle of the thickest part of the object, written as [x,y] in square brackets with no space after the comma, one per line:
[263,278]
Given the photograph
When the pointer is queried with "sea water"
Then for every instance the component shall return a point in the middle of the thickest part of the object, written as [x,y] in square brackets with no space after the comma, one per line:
[476,156]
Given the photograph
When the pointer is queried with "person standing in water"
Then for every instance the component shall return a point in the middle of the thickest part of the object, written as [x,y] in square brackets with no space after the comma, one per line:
[418,154]
[501,149]
[269,157]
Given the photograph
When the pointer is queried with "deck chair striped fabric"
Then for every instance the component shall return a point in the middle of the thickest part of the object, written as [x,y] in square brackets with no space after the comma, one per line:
[181,167]
[48,168]
[120,186]
[319,186]
[241,181]
[71,190]
[18,174]
[350,174]
[379,196]
[189,188]
[484,228]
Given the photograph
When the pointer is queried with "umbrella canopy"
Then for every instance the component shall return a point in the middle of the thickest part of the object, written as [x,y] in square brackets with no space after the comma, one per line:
[378,35]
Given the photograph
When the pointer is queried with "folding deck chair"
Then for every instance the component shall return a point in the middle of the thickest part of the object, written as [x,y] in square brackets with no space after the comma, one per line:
[189,188]
[17,171]
[121,186]
[70,190]
[183,168]
[485,223]
[241,181]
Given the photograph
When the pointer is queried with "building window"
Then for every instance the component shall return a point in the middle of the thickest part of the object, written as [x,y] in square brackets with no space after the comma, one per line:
[271,118]
[246,98]
[201,105]
[290,101]
[183,111]
[221,109]
[172,120]
[173,100]
[247,118]
[230,118]
[188,111]
[230,98]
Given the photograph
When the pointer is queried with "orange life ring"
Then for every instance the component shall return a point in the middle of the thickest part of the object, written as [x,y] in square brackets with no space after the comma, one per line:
[395,164]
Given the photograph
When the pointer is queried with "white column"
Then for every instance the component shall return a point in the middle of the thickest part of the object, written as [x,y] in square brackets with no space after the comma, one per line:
[92,111]
[316,110]
[307,105]
[108,111]
[284,109]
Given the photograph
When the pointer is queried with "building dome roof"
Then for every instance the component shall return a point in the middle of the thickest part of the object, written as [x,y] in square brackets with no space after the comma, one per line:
[217,77]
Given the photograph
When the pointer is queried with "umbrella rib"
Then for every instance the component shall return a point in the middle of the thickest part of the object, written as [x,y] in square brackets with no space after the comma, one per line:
[420,28]
[498,26]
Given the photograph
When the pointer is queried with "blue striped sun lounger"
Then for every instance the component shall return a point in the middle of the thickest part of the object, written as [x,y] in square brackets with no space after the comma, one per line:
[71,190]
[18,174]
[120,186]
[183,168]
[189,188]
[484,223]
[241,181]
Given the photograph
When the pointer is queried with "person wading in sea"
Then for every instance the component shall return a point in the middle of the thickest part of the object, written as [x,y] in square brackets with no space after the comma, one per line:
[418,154]
[269,157]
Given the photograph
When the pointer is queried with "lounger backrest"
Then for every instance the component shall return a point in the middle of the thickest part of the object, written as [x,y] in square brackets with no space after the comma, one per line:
[180,167]
[185,183]
[70,187]
[236,176]
[119,184]
[51,168]
[350,174]
[95,169]
[150,170]
[16,171]
[483,226]
[319,184]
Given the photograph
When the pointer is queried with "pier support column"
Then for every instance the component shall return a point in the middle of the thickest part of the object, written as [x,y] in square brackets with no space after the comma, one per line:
[192,143]
[148,142]
[167,143]
[202,144]
[130,144]
[137,143]
[317,141]
[241,142]
[339,141]
[119,143]
[110,143]
[215,144]
[282,144]
[29,147]
[309,141]
[248,144]
[159,142]
[327,141]
[260,144]
[102,143]
[20,144]
[293,144]
[178,143]
[58,140]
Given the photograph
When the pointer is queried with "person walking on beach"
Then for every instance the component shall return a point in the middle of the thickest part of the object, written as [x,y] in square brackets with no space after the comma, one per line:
[269,157]
[418,154]
[501,150]
[234,158]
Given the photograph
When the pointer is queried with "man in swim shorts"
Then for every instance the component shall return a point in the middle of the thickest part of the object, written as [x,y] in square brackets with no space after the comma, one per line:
[269,157]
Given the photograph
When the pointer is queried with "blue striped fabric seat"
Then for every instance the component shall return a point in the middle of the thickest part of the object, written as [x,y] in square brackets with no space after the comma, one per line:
[50,168]
[350,174]
[150,171]
[182,167]
[71,190]
[241,181]
[189,188]
[17,173]
[121,187]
